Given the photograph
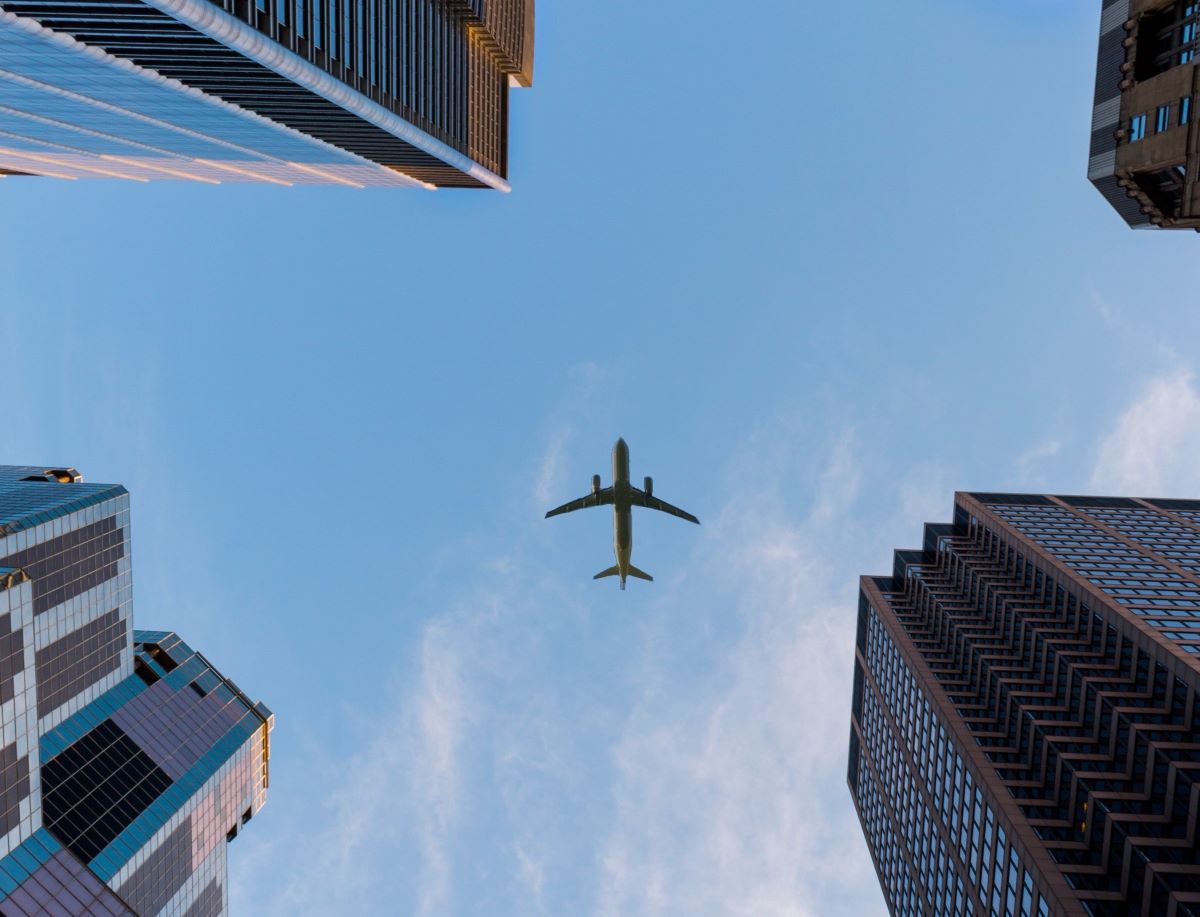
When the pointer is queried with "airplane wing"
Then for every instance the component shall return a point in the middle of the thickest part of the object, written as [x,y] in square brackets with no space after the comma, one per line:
[641,499]
[601,498]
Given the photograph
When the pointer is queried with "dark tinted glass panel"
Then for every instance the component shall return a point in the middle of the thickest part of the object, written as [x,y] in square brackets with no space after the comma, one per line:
[78,660]
[209,903]
[71,564]
[162,873]
[12,657]
[96,788]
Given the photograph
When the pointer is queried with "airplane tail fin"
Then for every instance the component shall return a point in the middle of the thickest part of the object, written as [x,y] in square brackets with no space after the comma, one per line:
[616,571]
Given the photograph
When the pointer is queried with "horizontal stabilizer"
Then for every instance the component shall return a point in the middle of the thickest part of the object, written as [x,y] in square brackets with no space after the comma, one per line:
[634,571]
[611,571]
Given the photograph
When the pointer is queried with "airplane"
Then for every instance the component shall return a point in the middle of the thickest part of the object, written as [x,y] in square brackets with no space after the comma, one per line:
[623,496]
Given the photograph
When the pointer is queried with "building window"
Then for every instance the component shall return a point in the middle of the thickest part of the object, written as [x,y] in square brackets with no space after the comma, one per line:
[1167,38]
[360,25]
[1162,118]
[333,29]
[1185,110]
[1137,128]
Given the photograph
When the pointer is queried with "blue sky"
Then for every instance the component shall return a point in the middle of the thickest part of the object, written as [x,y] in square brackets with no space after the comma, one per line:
[819,265]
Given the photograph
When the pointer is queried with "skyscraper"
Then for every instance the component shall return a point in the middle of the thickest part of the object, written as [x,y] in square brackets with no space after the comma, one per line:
[403,93]
[1145,152]
[127,761]
[1025,736]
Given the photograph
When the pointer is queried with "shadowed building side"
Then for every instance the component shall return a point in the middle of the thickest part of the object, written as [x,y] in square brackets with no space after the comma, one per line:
[1024,734]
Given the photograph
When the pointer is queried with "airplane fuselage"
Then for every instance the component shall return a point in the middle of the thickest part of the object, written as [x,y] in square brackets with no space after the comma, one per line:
[622,496]
[622,509]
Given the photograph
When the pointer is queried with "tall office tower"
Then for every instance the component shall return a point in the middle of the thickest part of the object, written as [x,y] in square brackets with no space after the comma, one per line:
[402,93]
[1145,155]
[126,760]
[1026,733]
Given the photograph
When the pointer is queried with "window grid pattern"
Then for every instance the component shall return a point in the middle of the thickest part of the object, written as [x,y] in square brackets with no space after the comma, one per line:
[25,504]
[167,867]
[73,113]
[1139,578]
[72,563]
[72,664]
[91,791]
[1167,38]
[1096,738]
[209,903]
[20,780]
[96,788]
[425,60]
[215,814]
[936,840]
[41,879]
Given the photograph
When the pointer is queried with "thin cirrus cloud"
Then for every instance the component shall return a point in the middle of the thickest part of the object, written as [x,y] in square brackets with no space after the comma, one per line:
[382,833]
[715,778]
[731,798]
[708,777]
[1152,447]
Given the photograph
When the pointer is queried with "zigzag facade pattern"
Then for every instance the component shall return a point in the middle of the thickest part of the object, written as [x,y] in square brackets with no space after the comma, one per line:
[1086,721]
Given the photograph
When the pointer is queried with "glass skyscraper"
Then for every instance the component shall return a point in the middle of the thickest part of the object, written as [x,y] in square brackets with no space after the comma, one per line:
[404,93]
[1025,734]
[127,761]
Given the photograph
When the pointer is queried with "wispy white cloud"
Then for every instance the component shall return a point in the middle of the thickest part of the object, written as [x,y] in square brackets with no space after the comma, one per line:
[708,778]
[549,478]
[1028,460]
[1152,448]
[390,826]
[1103,308]
[401,791]
[440,709]
[730,790]
[532,873]
[723,791]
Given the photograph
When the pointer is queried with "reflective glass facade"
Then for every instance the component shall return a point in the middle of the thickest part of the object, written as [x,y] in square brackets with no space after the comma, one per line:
[127,761]
[404,93]
[1024,735]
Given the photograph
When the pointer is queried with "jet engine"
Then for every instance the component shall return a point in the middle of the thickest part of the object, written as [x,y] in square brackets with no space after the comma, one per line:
[595,483]
[649,486]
